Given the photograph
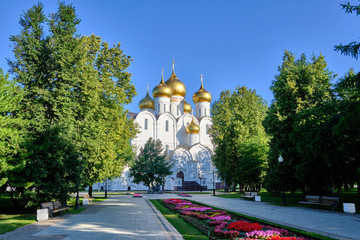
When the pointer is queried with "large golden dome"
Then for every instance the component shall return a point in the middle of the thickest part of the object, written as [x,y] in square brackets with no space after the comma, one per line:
[202,95]
[162,90]
[192,128]
[187,107]
[147,102]
[177,86]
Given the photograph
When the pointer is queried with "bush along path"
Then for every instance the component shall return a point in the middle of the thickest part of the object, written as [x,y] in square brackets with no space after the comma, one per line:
[219,224]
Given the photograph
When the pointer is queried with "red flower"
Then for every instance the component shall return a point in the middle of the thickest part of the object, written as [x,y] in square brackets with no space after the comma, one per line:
[244,226]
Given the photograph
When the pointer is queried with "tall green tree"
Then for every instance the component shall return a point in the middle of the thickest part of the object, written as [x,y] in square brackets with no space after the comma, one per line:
[46,65]
[300,85]
[104,127]
[75,89]
[348,103]
[11,138]
[241,142]
[151,167]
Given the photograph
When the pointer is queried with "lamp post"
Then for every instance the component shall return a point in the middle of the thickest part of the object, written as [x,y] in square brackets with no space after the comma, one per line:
[214,183]
[200,177]
[281,160]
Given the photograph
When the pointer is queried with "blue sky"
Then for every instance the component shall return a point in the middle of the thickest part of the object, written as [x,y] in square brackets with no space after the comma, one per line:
[230,42]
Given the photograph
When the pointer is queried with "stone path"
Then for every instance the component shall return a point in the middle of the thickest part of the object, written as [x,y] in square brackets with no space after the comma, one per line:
[124,217]
[120,217]
[334,224]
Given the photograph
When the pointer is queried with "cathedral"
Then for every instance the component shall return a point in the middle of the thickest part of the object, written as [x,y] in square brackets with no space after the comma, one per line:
[184,135]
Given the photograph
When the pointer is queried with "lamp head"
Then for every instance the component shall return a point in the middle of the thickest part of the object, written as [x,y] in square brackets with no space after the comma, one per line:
[280,159]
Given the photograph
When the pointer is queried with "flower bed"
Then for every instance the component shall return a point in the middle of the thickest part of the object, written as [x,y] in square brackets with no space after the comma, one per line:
[219,224]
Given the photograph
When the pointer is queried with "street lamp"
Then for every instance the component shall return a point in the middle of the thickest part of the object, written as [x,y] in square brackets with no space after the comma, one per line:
[200,177]
[281,160]
[214,182]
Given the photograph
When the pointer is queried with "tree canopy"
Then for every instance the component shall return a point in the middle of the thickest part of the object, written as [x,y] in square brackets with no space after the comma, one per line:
[75,88]
[241,142]
[151,167]
[300,85]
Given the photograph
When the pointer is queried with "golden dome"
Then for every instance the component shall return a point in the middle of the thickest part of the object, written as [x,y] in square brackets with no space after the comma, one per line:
[192,128]
[202,95]
[162,90]
[147,102]
[177,86]
[187,107]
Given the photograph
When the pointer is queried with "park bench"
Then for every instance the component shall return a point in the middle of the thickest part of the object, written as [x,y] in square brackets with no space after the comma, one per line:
[250,195]
[332,202]
[87,196]
[53,207]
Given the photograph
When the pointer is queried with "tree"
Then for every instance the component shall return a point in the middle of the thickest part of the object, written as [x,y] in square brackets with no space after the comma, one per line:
[241,142]
[348,111]
[300,85]
[151,167]
[11,138]
[104,129]
[75,88]
[47,66]
[352,49]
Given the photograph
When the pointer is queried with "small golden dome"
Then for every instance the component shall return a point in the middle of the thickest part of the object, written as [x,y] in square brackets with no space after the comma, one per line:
[187,107]
[202,95]
[162,90]
[192,128]
[147,102]
[177,86]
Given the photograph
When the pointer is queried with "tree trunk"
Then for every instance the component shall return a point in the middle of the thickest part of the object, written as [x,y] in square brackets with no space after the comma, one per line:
[90,191]
[77,200]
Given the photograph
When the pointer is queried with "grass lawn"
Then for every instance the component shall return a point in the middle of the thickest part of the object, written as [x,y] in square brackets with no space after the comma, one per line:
[11,219]
[292,200]
[185,229]
[10,222]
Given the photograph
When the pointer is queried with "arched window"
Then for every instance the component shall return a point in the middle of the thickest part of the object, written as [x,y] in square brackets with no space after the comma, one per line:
[199,111]
[164,107]
[146,124]
[158,108]
[178,109]
[167,126]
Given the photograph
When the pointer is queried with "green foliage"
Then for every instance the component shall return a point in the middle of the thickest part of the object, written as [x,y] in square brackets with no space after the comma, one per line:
[241,142]
[300,85]
[352,49]
[75,89]
[10,130]
[104,129]
[151,167]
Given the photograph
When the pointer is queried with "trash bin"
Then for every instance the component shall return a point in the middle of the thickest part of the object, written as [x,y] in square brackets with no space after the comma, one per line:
[349,207]
[85,202]
[42,215]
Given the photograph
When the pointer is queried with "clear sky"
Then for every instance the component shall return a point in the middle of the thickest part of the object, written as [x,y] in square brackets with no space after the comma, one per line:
[231,43]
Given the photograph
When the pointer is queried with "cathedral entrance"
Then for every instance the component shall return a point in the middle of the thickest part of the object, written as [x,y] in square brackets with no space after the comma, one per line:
[180,174]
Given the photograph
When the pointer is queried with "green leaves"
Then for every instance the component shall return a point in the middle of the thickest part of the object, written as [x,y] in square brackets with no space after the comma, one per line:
[150,167]
[240,155]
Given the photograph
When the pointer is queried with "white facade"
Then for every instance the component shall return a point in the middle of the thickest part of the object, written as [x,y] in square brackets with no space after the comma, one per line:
[191,152]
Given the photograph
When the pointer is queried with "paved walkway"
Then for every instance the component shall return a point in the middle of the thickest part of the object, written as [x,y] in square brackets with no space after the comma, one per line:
[333,224]
[124,217]
[119,217]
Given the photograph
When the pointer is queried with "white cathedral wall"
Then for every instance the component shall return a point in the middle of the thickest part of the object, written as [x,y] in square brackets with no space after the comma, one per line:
[205,138]
[145,132]
[202,109]
[166,130]
[162,105]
